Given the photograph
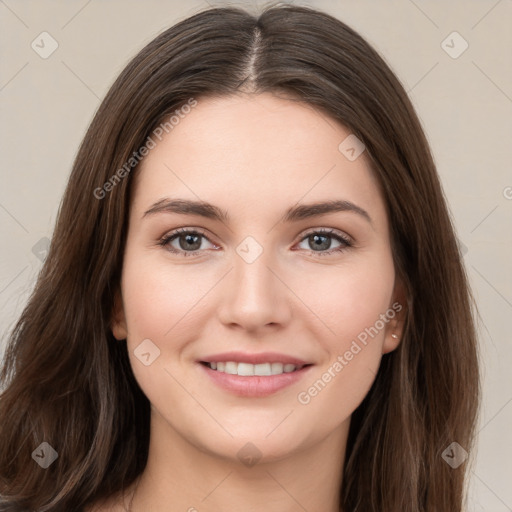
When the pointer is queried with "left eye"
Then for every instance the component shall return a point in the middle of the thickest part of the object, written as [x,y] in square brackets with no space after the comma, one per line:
[190,242]
[321,242]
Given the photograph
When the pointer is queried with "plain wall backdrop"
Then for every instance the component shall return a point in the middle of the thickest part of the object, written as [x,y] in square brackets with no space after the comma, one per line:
[58,59]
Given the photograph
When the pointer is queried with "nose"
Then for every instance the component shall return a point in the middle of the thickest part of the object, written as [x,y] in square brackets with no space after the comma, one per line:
[254,297]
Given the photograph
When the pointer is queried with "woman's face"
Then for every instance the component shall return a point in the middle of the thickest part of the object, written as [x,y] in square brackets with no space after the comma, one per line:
[226,253]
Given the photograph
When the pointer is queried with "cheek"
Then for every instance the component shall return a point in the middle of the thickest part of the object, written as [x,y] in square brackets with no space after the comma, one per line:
[162,302]
[357,307]
[354,306]
[159,297]
[348,299]
[166,303]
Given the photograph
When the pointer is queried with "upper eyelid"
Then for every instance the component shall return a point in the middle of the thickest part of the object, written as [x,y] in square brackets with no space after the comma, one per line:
[328,231]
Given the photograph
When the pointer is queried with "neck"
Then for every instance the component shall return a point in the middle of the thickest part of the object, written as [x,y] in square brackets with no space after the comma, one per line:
[180,476]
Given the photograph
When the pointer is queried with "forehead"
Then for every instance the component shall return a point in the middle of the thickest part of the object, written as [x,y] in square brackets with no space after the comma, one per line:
[255,152]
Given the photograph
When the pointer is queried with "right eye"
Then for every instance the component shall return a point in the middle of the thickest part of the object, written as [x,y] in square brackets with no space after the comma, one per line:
[184,242]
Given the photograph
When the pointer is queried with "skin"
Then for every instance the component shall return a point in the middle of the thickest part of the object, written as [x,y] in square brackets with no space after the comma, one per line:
[254,156]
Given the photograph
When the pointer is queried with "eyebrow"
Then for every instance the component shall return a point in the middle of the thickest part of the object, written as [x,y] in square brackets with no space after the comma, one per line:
[293,214]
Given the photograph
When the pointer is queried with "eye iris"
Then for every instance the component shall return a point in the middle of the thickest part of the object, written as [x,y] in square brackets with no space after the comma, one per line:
[319,245]
[191,240]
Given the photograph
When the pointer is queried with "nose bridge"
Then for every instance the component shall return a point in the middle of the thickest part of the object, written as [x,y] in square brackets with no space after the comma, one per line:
[253,277]
[255,296]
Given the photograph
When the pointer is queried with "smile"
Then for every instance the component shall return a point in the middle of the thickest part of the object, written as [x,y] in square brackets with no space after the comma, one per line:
[253,380]
[250,370]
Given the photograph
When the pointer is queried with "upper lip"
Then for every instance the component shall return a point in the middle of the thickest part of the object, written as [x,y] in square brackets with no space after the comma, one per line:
[257,358]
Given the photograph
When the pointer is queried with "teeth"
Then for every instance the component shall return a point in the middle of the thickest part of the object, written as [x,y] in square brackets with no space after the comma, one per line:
[231,368]
[247,369]
[262,369]
[277,368]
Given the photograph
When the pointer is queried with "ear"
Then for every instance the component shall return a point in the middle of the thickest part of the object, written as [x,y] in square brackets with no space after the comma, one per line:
[396,314]
[118,320]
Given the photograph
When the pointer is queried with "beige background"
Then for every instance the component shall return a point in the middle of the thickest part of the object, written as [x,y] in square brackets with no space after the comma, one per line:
[465,105]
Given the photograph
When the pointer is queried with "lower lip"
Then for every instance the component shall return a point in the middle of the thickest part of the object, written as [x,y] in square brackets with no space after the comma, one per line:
[254,386]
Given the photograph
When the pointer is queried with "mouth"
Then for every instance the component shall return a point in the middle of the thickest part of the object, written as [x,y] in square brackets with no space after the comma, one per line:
[250,370]
[256,375]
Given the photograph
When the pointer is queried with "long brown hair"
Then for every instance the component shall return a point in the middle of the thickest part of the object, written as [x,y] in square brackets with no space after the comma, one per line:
[66,380]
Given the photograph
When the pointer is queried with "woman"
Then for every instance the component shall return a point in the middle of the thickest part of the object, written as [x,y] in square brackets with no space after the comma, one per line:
[254,298]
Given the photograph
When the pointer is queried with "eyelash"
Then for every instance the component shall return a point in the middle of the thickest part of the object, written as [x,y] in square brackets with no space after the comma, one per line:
[343,239]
